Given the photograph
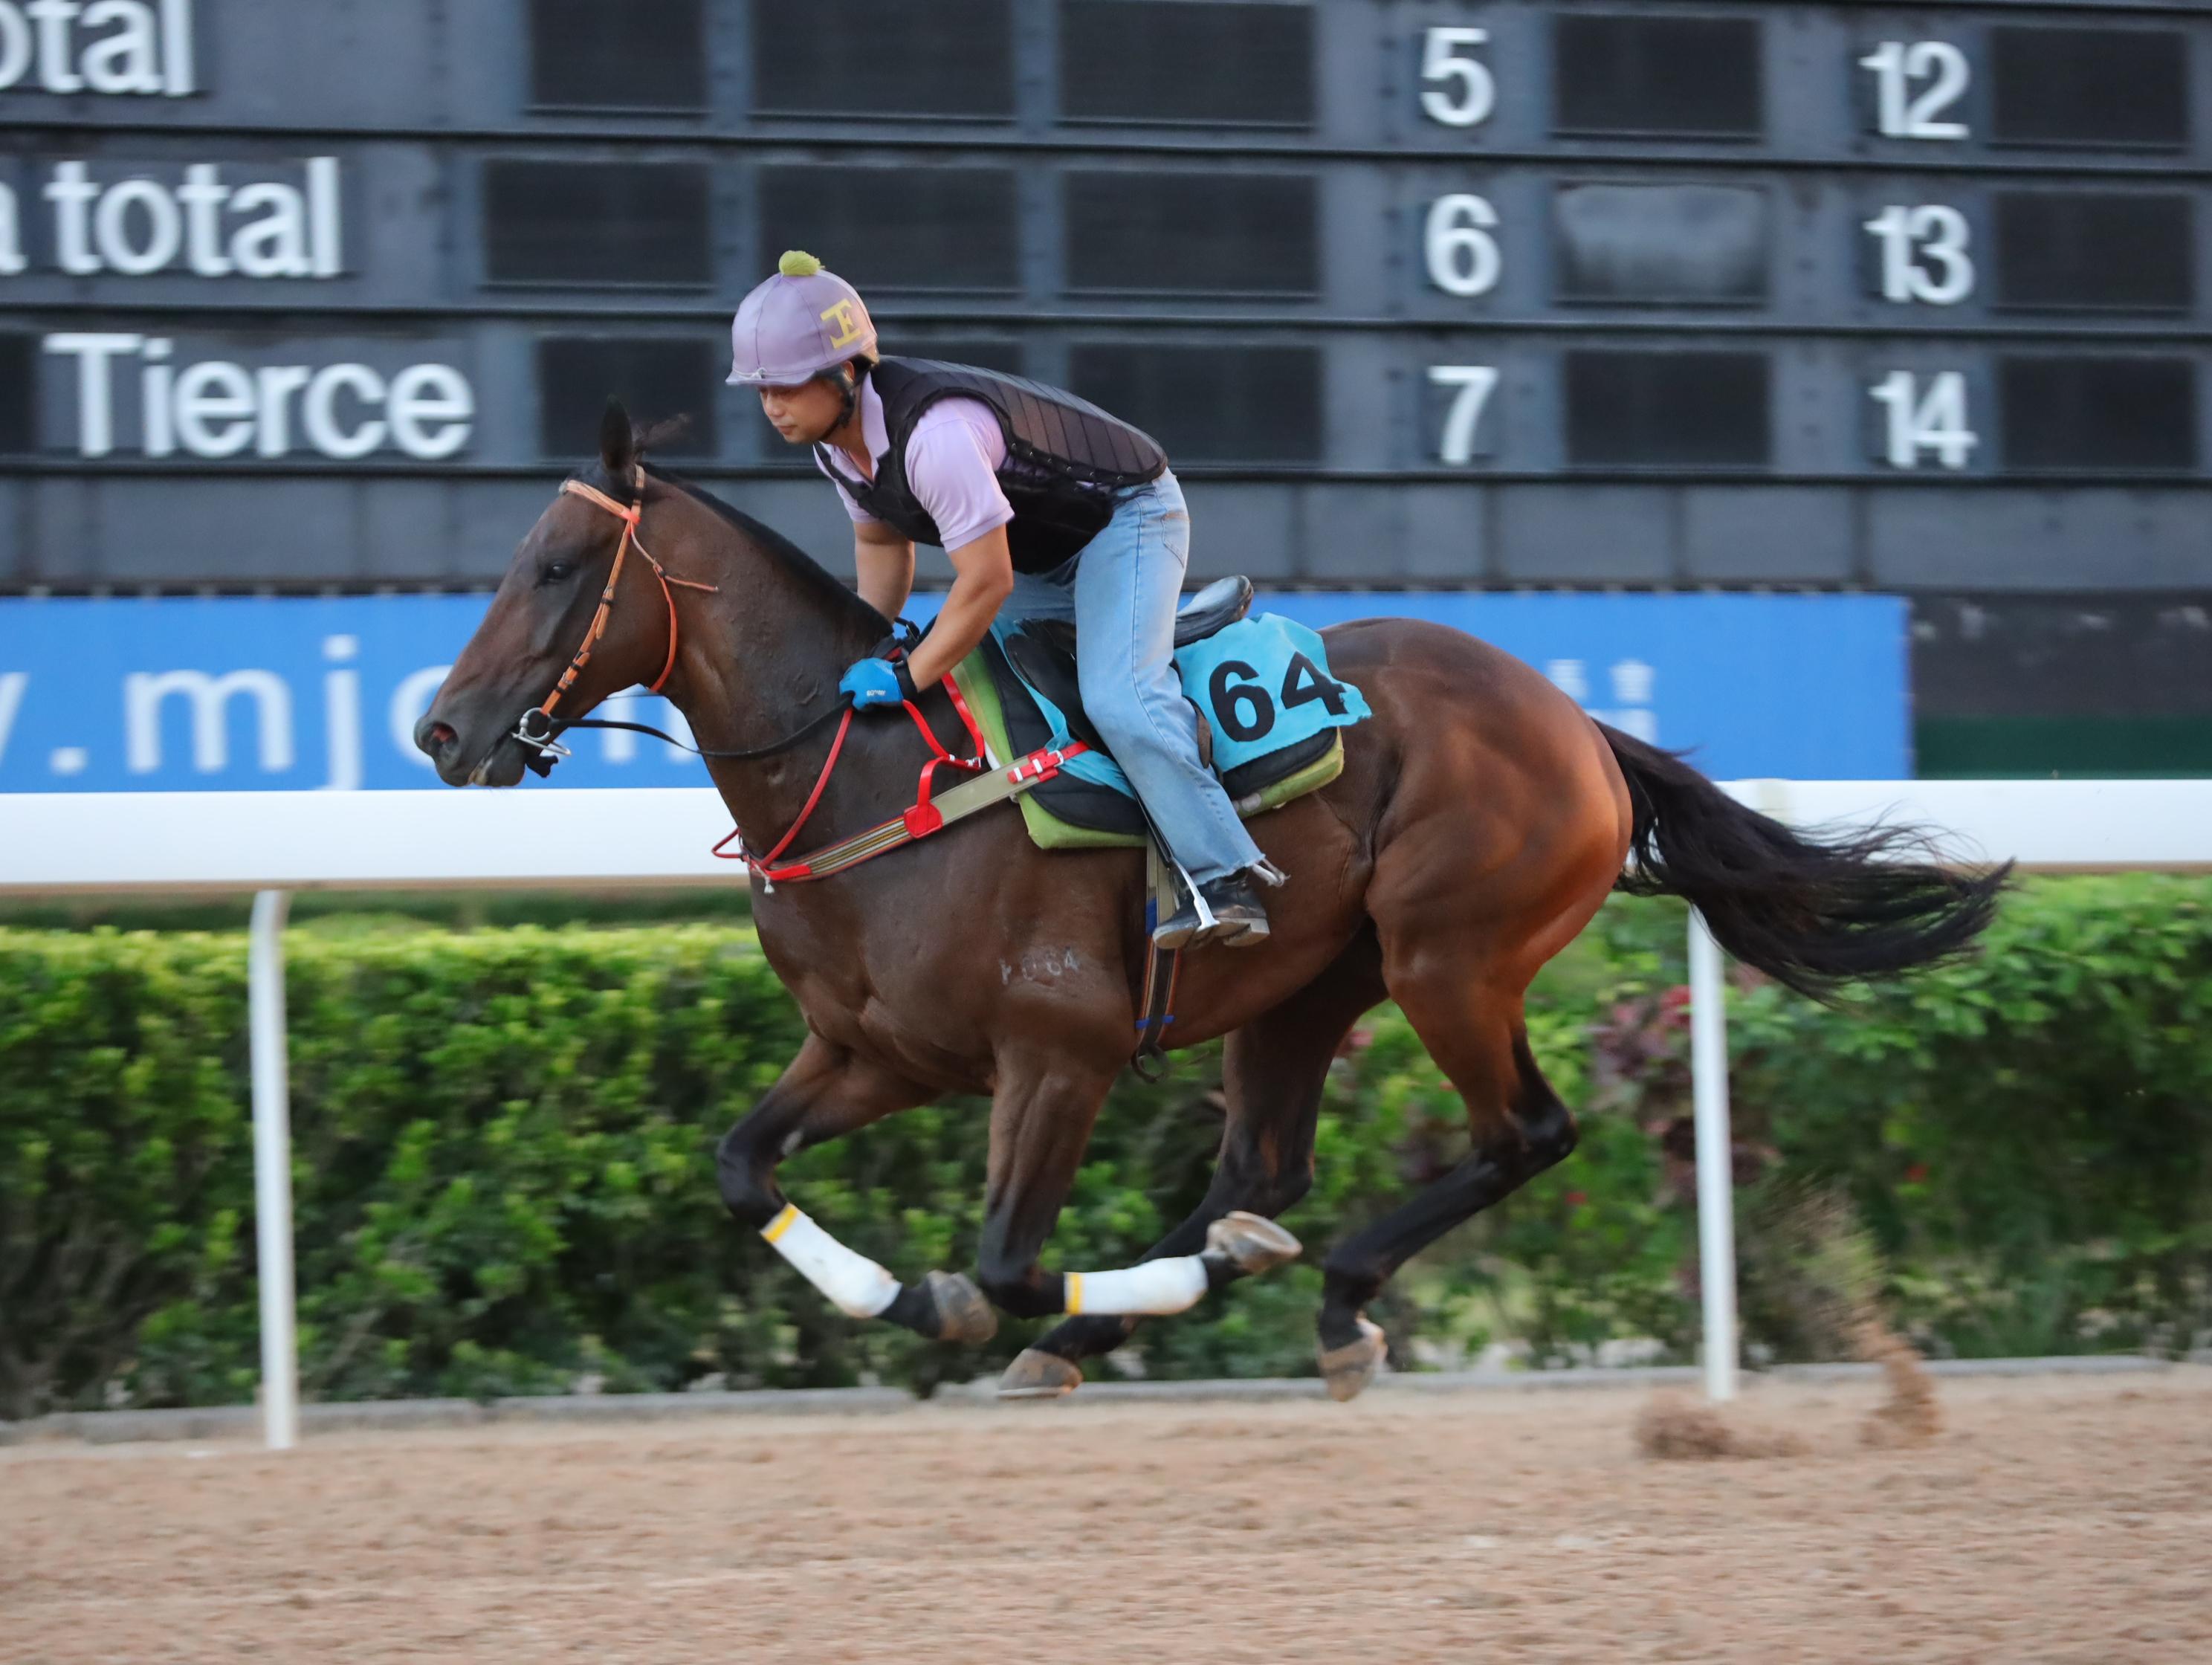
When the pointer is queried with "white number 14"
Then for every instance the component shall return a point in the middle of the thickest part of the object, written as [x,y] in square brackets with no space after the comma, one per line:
[1934,421]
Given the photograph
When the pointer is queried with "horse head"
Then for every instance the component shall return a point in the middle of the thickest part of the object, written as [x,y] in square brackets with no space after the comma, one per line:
[575,597]
[587,609]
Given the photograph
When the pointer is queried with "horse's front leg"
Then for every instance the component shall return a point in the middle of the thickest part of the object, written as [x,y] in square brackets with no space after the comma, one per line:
[1040,1122]
[1275,1069]
[828,1092]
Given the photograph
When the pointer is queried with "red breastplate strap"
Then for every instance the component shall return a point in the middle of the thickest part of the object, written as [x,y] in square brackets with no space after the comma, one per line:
[930,812]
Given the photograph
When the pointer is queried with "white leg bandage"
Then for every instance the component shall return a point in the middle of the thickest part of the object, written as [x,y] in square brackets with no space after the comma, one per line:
[855,1285]
[1155,1288]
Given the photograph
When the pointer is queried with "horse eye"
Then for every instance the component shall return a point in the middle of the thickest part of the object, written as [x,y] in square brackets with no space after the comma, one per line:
[556,571]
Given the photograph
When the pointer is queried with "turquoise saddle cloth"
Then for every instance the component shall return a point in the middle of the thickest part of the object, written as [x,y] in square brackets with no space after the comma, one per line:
[1262,684]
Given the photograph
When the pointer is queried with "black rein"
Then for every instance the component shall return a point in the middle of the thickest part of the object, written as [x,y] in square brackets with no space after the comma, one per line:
[784,744]
[902,638]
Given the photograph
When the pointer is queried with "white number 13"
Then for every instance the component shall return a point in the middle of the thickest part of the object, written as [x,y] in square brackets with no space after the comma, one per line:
[1933,232]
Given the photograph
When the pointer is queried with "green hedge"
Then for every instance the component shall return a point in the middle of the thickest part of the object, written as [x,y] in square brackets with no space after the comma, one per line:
[503,1161]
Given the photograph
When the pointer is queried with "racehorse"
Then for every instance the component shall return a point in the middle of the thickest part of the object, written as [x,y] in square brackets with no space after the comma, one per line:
[1479,822]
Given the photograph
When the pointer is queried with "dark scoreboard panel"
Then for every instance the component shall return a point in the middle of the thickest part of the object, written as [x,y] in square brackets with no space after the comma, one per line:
[1413,290]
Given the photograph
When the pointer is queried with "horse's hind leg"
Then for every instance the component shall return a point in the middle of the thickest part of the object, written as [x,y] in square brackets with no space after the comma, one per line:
[1273,1070]
[1521,1128]
[824,1093]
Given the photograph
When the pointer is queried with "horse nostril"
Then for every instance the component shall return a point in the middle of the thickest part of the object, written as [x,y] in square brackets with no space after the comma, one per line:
[435,738]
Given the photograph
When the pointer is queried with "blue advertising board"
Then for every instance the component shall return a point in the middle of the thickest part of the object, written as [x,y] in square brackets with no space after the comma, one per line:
[231,692]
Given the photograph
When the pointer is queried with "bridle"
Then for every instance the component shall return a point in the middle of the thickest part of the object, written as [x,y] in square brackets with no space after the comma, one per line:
[536,729]
[539,729]
[988,782]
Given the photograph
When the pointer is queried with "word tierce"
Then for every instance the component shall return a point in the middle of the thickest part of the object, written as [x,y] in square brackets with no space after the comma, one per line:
[215,407]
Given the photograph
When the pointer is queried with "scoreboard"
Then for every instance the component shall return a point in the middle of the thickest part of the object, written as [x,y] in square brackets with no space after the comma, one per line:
[1655,293]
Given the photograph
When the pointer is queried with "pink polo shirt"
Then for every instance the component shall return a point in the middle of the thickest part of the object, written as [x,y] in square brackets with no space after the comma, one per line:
[952,462]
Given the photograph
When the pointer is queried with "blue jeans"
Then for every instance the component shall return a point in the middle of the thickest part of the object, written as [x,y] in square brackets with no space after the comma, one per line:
[1122,593]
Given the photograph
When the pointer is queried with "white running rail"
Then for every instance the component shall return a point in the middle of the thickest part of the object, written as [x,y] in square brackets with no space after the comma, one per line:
[273,843]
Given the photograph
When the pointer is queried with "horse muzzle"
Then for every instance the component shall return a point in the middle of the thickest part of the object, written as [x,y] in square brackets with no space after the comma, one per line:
[499,764]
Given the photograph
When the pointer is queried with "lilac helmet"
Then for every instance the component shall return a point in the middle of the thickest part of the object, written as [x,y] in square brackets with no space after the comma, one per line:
[796,325]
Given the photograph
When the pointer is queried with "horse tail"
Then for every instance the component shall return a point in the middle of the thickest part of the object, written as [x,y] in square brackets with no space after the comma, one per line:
[1815,912]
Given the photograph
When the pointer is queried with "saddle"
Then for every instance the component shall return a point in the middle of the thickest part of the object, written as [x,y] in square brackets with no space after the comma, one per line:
[1042,653]
[1267,745]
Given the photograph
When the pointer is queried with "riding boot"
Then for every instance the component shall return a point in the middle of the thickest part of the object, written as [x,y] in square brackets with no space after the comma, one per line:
[1240,918]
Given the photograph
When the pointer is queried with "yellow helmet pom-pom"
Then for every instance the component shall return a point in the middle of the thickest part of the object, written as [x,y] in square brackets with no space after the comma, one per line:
[798,263]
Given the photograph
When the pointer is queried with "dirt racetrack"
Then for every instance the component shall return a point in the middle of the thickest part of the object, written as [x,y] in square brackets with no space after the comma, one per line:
[2055,1519]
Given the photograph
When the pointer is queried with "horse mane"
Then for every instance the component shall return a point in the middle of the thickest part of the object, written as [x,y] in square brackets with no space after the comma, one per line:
[812,579]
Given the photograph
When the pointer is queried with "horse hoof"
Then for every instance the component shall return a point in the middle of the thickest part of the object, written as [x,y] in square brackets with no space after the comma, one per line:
[1347,1370]
[1035,1374]
[1250,1242]
[963,1315]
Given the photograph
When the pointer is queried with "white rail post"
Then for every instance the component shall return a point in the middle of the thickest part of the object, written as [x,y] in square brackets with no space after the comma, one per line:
[272,1168]
[1716,1158]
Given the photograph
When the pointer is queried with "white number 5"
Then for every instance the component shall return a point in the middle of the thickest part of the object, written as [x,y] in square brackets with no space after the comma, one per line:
[1475,382]
[1442,60]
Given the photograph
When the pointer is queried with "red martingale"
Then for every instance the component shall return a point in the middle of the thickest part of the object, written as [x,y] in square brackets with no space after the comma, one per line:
[760,865]
[923,818]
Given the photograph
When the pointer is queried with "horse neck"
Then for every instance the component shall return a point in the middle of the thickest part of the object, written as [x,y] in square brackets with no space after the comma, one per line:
[760,659]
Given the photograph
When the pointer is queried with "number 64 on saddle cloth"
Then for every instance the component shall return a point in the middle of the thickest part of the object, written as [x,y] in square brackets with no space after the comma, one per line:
[1262,684]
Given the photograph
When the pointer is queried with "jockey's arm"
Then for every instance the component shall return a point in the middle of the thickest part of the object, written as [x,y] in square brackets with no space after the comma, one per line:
[982,577]
[882,562]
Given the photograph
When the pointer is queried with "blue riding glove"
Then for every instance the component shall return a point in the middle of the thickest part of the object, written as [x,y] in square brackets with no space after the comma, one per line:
[878,681]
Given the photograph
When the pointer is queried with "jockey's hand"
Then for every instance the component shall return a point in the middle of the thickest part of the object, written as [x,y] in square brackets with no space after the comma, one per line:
[878,681]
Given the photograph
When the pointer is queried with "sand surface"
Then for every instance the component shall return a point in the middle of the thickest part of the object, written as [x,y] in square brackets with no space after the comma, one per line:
[2056,1519]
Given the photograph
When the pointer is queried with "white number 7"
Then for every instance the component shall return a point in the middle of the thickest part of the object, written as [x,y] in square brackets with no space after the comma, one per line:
[1475,382]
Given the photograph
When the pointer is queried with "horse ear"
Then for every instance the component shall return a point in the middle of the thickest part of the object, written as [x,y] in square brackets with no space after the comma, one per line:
[617,441]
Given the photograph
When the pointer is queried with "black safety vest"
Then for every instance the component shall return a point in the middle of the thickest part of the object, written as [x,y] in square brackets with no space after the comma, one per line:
[1067,460]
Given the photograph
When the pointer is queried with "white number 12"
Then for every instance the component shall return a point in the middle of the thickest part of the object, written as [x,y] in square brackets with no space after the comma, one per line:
[1902,116]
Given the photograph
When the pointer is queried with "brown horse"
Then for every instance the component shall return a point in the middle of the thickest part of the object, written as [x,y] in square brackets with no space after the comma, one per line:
[1480,820]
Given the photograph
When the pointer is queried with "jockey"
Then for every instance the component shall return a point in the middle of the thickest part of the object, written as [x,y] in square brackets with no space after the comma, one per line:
[1049,509]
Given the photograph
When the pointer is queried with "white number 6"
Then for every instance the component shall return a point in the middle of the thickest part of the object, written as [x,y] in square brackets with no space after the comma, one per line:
[1442,61]
[1462,256]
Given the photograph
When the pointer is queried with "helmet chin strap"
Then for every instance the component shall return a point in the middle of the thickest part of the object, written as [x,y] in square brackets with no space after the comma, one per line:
[849,384]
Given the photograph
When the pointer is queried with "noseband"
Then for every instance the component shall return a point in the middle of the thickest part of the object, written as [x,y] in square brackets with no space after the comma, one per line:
[536,728]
